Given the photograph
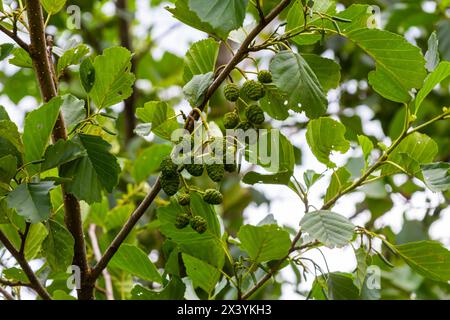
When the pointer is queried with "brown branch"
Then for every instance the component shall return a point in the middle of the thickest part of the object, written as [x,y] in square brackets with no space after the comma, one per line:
[6,294]
[15,37]
[43,67]
[189,125]
[20,258]
[127,42]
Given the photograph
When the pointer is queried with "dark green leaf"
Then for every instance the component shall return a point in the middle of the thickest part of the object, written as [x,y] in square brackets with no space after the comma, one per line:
[96,171]
[58,247]
[293,75]
[32,200]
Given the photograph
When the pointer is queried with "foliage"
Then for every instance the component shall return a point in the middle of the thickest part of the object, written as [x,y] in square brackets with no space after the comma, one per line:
[280,93]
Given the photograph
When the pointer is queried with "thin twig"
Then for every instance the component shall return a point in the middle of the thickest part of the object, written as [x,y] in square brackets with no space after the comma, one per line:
[98,255]
[6,294]
[16,38]
[34,282]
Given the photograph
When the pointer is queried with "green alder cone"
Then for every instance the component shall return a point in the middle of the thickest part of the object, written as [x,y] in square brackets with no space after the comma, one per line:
[199,224]
[230,167]
[182,221]
[231,92]
[255,114]
[170,184]
[168,168]
[195,170]
[213,196]
[245,125]
[184,199]
[230,120]
[253,90]
[265,76]
[215,171]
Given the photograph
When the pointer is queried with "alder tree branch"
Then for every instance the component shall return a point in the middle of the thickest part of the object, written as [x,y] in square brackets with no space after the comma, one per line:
[35,284]
[43,67]
[6,294]
[357,183]
[15,37]
[126,41]
[189,125]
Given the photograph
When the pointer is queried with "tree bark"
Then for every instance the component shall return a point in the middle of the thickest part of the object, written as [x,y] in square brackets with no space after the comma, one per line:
[43,67]
[126,42]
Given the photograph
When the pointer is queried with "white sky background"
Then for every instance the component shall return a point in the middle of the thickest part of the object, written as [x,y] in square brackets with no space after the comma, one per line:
[285,205]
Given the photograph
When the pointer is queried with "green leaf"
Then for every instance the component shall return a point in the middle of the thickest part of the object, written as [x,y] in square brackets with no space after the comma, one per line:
[400,65]
[160,116]
[274,152]
[432,55]
[437,176]
[264,243]
[72,110]
[428,258]
[3,114]
[327,71]
[173,291]
[276,178]
[21,58]
[9,131]
[296,20]
[325,135]
[32,200]
[61,152]
[15,274]
[361,267]
[441,72]
[70,57]
[414,150]
[133,260]
[366,146]
[182,12]
[293,75]
[90,174]
[87,74]
[38,129]
[275,103]
[8,168]
[148,161]
[341,287]
[201,58]
[202,274]
[53,6]
[208,246]
[196,89]
[332,229]
[58,247]
[61,295]
[5,50]
[113,79]
[339,181]
[222,15]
